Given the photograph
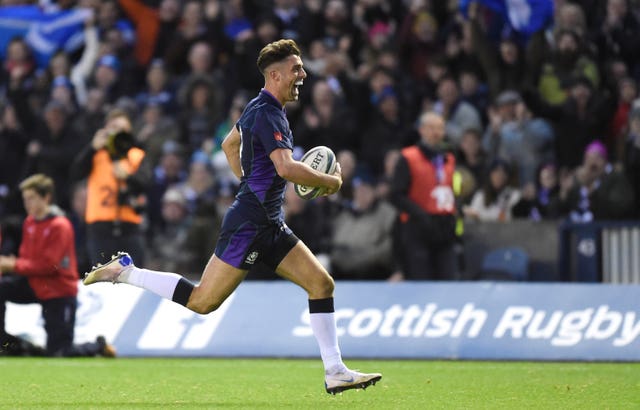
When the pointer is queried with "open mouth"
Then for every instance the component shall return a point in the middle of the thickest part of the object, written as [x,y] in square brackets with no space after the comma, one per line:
[296,85]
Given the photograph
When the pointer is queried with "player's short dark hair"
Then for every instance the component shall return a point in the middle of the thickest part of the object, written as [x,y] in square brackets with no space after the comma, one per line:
[42,184]
[275,52]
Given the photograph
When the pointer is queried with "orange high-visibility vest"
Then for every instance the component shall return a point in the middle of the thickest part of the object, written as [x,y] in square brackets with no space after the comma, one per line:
[103,188]
[424,181]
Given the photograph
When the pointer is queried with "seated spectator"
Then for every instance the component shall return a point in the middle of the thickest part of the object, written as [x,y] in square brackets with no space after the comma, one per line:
[361,244]
[495,201]
[540,200]
[598,191]
[182,245]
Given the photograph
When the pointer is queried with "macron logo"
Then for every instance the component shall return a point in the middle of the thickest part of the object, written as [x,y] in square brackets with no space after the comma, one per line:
[277,135]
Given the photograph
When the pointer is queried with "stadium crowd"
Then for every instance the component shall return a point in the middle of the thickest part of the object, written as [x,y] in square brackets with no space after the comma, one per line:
[544,123]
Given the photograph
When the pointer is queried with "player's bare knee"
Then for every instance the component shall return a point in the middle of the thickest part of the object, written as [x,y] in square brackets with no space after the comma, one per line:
[323,288]
[203,307]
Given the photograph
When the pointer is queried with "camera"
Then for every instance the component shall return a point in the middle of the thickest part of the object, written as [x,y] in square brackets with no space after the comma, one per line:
[119,143]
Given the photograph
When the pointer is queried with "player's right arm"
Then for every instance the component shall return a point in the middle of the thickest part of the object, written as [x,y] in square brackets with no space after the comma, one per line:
[231,148]
[302,174]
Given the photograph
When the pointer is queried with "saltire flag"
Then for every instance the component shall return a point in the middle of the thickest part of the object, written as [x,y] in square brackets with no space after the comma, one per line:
[524,16]
[45,31]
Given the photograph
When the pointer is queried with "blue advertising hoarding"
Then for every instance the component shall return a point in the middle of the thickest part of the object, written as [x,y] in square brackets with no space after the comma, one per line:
[431,320]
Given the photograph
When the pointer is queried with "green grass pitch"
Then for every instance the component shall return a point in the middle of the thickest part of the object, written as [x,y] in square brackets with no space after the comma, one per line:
[298,384]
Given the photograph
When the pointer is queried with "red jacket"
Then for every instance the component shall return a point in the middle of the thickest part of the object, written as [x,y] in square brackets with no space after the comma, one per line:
[47,257]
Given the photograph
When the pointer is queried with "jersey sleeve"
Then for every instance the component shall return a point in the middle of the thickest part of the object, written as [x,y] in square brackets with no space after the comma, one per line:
[273,132]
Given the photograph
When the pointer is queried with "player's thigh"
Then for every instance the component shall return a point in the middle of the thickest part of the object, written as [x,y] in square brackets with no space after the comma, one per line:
[301,267]
[218,281]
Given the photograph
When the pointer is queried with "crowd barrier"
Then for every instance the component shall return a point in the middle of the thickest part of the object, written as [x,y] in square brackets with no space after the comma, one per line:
[418,320]
[607,251]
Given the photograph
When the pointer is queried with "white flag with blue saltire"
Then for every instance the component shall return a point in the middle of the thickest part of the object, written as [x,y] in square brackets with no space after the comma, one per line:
[45,31]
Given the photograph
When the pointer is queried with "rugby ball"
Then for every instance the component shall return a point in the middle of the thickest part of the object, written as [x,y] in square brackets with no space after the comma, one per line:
[321,159]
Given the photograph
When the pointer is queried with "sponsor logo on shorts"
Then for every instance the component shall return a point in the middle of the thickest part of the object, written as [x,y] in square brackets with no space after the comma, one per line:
[251,259]
[277,135]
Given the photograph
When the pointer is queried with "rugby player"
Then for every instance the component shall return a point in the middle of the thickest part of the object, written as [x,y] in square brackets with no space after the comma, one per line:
[259,150]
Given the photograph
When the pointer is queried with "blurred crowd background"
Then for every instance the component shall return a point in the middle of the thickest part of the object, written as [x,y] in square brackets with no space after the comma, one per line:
[541,107]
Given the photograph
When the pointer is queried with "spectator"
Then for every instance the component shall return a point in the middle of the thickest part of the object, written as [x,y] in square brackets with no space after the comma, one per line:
[169,170]
[495,201]
[417,38]
[199,189]
[422,192]
[540,200]
[199,115]
[471,155]
[597,192]
[619,32]
[556,68]
[627,92]
[107,76]
[153,129]
[504,65]
[13,144]
[117,178]
[582,118]
[475,92]
[518,138]
[45,272]
[52,145]
[158,88]
[327,121]
[177,246]
[459,115]
[361,243]
[387,130]
[19,66]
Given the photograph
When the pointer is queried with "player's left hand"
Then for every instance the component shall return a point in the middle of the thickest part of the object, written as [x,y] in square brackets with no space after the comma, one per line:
[330,190]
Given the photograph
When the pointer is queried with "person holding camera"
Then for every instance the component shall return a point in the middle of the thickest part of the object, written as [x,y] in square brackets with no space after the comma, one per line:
[117,175]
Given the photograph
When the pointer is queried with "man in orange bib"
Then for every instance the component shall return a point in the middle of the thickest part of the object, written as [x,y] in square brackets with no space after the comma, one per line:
[116,177]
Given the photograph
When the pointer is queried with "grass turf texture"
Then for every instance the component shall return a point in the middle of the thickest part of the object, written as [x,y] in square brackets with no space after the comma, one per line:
[298,384]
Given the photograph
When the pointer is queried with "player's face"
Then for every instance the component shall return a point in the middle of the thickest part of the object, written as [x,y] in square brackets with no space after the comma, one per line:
[293,77]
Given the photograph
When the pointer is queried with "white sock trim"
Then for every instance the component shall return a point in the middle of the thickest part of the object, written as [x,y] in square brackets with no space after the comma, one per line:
[324,329]
[161,283]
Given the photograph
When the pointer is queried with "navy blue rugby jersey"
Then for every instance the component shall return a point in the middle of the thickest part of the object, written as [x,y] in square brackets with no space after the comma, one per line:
[263,127]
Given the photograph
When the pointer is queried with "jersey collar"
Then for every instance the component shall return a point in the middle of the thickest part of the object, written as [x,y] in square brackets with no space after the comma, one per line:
[270,98]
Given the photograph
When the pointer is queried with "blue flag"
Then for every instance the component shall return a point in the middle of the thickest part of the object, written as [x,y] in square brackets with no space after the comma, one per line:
[45,32]
[524,16]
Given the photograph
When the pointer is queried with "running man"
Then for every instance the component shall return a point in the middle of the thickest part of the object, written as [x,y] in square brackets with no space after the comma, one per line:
[259,150]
